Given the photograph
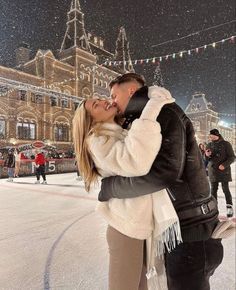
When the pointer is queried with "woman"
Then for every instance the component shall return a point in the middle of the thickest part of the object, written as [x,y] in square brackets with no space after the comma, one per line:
[103,149]
[17,155]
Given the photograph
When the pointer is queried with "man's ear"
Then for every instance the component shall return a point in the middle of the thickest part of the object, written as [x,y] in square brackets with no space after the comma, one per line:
[132,90]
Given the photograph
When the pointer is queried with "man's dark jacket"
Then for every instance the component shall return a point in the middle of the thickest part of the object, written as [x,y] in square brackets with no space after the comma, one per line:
[222,154]
[178,168]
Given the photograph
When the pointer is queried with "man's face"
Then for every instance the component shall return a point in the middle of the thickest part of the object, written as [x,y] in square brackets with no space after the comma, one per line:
[121,95]
[213,137]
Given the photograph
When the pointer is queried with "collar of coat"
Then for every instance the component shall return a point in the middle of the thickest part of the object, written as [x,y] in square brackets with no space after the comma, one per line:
[135,106]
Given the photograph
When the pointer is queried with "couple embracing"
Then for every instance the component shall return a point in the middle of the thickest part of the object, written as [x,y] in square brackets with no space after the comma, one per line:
[154,194]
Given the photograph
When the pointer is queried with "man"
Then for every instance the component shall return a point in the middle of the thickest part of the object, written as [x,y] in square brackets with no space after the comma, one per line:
[178,168]
[220,155]
[40,167]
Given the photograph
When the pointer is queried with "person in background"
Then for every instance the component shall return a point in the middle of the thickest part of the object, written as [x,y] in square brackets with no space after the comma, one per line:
[79,178]
[10,164]
[40,167]
[202,148]
[17,155]
[220,155]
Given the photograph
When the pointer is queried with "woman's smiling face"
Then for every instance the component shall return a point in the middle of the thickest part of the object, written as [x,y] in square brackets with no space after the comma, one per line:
[101,110]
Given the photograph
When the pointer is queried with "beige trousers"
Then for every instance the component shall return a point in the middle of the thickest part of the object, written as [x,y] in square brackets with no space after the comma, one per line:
[126,262]
[17,168]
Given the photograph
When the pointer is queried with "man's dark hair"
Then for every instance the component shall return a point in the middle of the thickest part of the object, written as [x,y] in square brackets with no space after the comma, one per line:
[128,77]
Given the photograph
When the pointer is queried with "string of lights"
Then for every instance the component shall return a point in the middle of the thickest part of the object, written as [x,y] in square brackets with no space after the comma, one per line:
[180,54]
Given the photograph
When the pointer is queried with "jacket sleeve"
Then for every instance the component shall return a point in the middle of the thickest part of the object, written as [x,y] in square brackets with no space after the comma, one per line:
[132,156]
[230,155]
[130,187]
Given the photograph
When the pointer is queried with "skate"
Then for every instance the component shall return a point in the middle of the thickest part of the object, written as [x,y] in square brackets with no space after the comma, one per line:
[230,210]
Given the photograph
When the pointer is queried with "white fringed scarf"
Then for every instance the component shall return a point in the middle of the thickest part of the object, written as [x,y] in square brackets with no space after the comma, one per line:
[165,236]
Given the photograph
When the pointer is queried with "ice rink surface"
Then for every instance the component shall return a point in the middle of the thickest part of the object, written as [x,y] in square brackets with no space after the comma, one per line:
[51,237]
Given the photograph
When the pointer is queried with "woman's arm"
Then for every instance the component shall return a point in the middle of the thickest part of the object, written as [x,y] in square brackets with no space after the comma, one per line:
[134,155]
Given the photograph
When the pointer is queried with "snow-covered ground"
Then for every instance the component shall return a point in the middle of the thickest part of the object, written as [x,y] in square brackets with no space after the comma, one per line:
[51,238]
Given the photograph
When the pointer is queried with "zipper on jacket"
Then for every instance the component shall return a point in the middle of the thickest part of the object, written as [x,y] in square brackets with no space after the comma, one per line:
[183,150]
[171,194]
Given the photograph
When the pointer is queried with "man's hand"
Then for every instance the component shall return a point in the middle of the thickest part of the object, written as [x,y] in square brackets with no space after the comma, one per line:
[103,194]
[221,167]
[208,152]
[102,197]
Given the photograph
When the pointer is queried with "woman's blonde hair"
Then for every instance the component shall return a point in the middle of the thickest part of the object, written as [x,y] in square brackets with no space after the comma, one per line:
[82,127]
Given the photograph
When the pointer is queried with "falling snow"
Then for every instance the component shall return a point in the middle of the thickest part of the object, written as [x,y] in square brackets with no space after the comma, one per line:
[42,24]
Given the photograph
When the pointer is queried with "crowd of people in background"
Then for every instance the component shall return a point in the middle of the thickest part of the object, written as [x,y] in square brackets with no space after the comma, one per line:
[31,153]
[11,159]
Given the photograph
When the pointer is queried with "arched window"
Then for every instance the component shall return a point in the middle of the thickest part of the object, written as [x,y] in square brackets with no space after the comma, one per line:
[26,130]
[61,132]
[2,128]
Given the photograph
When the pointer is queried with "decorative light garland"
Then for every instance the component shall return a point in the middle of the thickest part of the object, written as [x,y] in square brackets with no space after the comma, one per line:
[227,115]
[172,55]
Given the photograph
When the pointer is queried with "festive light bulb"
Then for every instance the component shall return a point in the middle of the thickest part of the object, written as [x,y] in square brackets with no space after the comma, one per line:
[181,54]
[160,58]
[173,55]
[189,52]
[154,60]
[214,44]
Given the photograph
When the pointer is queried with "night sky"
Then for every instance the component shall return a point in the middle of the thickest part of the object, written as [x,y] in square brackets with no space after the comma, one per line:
[42,24]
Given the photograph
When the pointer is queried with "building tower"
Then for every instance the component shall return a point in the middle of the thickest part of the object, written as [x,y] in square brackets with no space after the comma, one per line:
[75,35]
[122,53]
[22,54]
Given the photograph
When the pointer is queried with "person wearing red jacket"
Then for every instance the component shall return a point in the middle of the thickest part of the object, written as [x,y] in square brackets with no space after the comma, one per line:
[40,167]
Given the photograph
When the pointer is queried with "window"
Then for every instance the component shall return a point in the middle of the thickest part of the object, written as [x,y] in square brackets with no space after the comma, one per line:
[64,103]
[53,101]
[38,99]
[193,107]
[198,106]
[2,128]
[26,130]
[61,132]
[22,95]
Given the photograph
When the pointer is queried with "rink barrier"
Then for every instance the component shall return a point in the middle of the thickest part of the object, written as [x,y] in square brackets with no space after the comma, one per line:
[53,166]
